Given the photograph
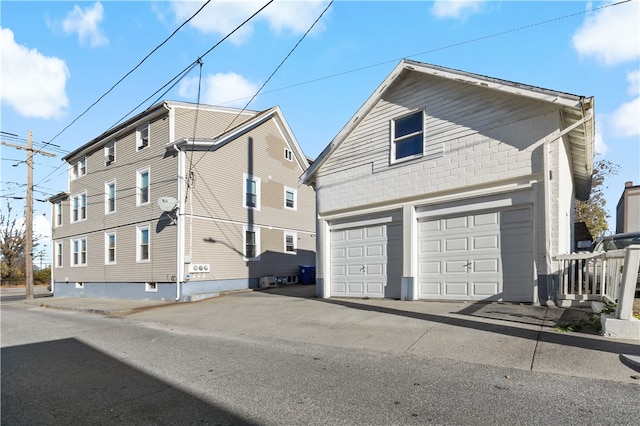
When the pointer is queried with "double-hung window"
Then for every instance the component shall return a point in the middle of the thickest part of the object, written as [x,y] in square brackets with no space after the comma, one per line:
[142,137]
[142,186]
[79,251]
[110,197]
[251,243]
[290,198]
[58,254]
[407,136]
[290,243]
[110,248]
[79,207]
[251,197]
[57,207]
[144,244]
[79,168]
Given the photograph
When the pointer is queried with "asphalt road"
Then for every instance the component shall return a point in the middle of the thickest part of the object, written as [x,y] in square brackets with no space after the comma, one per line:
[62,367]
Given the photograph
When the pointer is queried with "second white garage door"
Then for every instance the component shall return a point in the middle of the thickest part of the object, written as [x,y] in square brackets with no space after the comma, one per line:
[366,261]
[480,256]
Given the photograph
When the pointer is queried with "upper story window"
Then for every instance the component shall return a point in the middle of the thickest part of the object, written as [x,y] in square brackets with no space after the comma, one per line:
[79,168]
[79,207]
[110,197]
[288,154]
[79,251]
[290,198]
[57,211]
[110,153]
[143,243]
[251,243]
[142,187]
[251,194]
[407,136]
[142,137]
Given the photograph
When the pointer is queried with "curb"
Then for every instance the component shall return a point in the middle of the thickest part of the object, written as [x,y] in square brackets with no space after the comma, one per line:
[632,361]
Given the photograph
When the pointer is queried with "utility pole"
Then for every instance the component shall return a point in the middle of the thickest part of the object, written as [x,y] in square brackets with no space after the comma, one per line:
[28,255]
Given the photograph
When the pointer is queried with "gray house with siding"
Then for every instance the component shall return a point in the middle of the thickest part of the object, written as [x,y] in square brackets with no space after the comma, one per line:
[183,200]
[448,185]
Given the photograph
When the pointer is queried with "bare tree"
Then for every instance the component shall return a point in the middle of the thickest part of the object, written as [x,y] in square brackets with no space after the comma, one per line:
[12,243]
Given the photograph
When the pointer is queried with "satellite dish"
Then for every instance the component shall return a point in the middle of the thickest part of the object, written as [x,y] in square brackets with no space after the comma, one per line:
[167,204]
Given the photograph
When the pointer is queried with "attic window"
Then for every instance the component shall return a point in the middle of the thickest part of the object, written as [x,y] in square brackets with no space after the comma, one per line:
[407,136]
[287,154]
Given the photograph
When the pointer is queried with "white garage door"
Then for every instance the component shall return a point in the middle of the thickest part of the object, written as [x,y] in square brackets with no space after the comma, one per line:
[480,256]
[366,261]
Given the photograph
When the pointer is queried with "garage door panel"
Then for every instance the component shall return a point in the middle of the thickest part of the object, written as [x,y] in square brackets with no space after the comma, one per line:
[355,252]
[456,223]
[455,289]
[486,289]
[374,269]
[430,267]
[431,289]
[339,253]
[485,242]
[355,234]
[455,266]
[430,246]
[510,217]
[486,265]
[375,289]
[456,244]
[375,250]
[485,219]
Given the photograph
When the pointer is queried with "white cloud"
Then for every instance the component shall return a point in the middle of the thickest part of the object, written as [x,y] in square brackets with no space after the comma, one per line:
[610,35]
[601,147]
[624,120]
[229,89]
[222,17]
[455,8]
[33,84]
[86,23]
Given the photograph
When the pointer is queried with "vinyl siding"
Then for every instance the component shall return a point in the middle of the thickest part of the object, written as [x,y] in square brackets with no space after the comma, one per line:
[473,136]
[206,121]
[162,182]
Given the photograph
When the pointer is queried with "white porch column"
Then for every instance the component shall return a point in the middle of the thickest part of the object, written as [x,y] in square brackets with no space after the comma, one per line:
[323,272]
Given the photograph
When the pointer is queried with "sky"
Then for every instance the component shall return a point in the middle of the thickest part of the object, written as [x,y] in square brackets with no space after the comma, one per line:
[62,66]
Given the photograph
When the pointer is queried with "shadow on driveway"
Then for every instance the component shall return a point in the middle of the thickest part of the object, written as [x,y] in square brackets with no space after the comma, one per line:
[67,382]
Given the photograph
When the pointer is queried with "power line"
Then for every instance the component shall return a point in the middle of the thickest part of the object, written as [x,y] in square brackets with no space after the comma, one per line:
[183,73]
[273,73]
[131,71]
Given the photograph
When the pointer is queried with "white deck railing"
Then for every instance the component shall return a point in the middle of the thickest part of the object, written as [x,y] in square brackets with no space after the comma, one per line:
[589,276]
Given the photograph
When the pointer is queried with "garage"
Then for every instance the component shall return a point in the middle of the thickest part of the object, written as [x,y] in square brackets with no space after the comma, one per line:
[366,261]
[486,255]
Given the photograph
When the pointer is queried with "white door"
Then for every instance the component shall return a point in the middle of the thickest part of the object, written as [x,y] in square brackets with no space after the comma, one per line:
[479,256]
[366,261]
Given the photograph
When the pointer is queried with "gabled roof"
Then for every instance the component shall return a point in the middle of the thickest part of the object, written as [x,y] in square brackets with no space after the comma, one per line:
[148,114]
[212,144]
[574,109]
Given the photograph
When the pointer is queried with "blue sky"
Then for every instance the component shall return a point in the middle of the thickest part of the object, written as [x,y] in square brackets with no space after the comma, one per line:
[59,57]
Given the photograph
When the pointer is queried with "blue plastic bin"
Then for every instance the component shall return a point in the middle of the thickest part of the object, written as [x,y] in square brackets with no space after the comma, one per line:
[307,274]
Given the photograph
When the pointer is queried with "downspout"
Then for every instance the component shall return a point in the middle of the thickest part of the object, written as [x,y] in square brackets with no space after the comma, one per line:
[547,191]
[180,224]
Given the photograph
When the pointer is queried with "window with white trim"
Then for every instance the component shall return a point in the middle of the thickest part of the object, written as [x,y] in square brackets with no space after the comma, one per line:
[79,251]
[58,254]
[251,242]
[407,136]
[79,284]
[79,168]
[110,248]
[110,153]
[142,137]
[290,242]
[79,207]
[290,198]
[151,287]
[110,197]
[143,252]
[57,211]
[251,192]
[142,187]
[288,155]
